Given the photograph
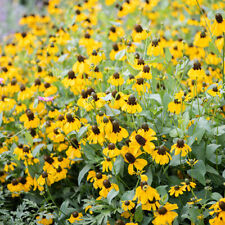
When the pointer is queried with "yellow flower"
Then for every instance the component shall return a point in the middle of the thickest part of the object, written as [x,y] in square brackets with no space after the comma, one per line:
[74,150]
[115,33]
[127,205]
[81,66]
[130,155]
[218,26]
[111,151]
[106,188]
[117,132]
[95,135]
[202,39]
[139,33]
[176,106]
[164,215]
[116,79]
[188,184]
[45,220]
[96,178]
[107,164]
[180,147]
[194,200]
[177,190]
[75,216]
[138,141]
[192,162]
[155,48]
[161,155]
[130,105]
[144,193]
[72,124]
[215,91]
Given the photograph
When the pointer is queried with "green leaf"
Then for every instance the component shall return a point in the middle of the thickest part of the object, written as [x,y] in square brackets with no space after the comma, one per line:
[34,169]
[81,132]
[83,172]
[128,195]
[168,54]
[130,58]
[223,174]
[50,147]
[138,215]
[29,138]
[219,130]
[210,169]
[111,195]
[37,149]
[216,196]
[35,103]
[107,97]
[193,214]
[64,205]
[119,55]
[111,112]
[146,220]
[119,164]
[89,152]
[163,192]
[149,175]
[198,172]
[211,154]
[156,97]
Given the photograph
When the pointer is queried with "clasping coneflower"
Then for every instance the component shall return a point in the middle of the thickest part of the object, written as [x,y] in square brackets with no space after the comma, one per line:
[219,210]
[202,39]
[177,190]
[145,193]
[74,151]
[141,86]
[75,216]
[117,101]
[188,184]
[138,33]
[130,155]
[155,48]
[180,147]
[72,124]
[128,205]
[107,164]
[116,79]
[139,141]
[196,72]
[115,33]
[218,27]
[96,178]
[161,155]
[145,73]
[215,90]
[164,215]
[106,188]
[111,151]
[131,105]
[95,135]
[176,106]
[81,66]
[118,132]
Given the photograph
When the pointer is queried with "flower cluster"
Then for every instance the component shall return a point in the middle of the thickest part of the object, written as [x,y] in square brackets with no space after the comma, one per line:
[113,112]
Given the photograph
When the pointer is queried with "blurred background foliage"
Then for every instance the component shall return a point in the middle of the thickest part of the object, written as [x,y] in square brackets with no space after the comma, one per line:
[12,10]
